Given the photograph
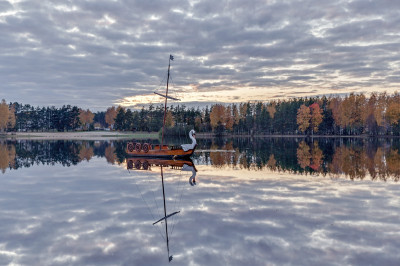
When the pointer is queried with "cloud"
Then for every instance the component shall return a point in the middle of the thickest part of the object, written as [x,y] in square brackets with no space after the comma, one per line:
[89,53]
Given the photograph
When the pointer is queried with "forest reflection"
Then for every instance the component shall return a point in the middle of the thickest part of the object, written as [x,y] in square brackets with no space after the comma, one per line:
[354,158]
[25,153]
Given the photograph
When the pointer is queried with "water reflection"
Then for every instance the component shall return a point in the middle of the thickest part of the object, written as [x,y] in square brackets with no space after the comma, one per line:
[186,165]
[152,164]
[98,214]
[25,153]
[353,158]
[378,159]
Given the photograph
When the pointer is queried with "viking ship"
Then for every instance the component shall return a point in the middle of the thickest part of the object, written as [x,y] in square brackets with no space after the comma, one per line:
[137,149]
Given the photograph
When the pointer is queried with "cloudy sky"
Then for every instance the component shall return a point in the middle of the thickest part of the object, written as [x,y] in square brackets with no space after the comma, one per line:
[95,54]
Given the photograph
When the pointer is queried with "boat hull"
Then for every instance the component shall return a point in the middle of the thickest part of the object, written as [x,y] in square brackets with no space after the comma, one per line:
[156,152]
[145,163]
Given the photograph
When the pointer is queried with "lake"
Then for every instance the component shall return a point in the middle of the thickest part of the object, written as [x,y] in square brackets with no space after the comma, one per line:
[262,201]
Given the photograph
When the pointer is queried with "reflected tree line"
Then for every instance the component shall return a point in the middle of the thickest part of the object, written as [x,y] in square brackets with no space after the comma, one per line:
[356,158]
[25,153]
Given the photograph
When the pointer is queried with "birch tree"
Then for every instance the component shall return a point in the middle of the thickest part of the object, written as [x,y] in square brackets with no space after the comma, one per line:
[4,115]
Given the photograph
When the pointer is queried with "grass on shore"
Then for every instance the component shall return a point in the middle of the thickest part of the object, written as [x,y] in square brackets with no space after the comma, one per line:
[152,135]
[134,135]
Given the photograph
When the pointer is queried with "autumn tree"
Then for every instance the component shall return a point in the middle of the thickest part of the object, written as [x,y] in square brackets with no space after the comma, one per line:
[229,119]
[303,154]
[217,118]
[169,119]
[86,118]
[110,154]
[7,116]
[303,118]
[85,152]
[334,106]
[110,116]
[393,111]
[316,117]
[352,109]
[271,108]
[7,157]
[316,156]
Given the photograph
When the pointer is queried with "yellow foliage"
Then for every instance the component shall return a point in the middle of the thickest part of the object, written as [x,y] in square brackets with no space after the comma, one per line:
[110,115]
[271,110]
[217,115]
[393,113]
[110,155]
[4,115]
[169,119]
[303,118]
[7,157]
[86,153]
[303,154]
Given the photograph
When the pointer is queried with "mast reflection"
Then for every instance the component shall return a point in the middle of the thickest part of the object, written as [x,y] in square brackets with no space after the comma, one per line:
[152,163]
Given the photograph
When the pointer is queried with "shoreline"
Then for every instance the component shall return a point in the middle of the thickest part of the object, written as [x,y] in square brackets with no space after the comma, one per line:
[78,135]
[115,135]
[208,135]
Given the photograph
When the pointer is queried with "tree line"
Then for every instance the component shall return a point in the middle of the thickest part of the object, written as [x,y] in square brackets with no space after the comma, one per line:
[354,114]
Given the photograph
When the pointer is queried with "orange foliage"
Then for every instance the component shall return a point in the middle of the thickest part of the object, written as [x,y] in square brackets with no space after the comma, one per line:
[86,118]
[86,153]
[303,118]
[316,116]
[393,163]
[217,115]
[271,109]
[7,157]
[393,112]
[271,164]
[229,119]
[169,119]
[316,156]
[110,116]
[303,154]
[4,114]
[110,155]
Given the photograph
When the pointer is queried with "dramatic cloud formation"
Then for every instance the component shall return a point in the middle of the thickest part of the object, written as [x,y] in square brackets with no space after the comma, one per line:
[98,53]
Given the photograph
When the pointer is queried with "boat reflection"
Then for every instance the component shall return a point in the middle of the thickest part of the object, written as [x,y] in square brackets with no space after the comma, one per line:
[150,164]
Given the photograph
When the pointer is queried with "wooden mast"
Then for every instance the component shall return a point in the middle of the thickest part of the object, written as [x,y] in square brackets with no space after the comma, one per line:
[165,105]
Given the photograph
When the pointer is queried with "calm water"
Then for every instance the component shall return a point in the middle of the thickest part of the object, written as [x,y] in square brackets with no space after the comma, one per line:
[253,202]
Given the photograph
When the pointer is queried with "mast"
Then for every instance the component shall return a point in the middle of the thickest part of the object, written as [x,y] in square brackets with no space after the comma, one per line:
[165,105]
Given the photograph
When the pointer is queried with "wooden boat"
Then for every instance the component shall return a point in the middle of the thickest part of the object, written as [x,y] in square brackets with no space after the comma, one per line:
[137,149]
